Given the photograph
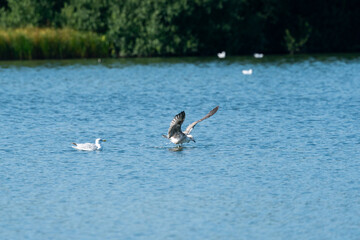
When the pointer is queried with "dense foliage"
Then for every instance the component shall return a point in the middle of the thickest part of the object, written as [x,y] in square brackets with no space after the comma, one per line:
[198,27]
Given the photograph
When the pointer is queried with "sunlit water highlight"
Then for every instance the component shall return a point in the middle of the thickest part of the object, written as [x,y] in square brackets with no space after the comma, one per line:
[279,160]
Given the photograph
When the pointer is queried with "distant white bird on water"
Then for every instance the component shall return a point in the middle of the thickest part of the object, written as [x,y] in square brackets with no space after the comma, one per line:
[175,135]
[222,54]
[258,55]
[89,146]
[247,72]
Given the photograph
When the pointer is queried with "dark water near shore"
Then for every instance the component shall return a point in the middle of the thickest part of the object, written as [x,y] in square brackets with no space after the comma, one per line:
[279,160]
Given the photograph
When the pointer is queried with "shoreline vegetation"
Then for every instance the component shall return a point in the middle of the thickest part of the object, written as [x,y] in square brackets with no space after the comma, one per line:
[59,29]
[47,43]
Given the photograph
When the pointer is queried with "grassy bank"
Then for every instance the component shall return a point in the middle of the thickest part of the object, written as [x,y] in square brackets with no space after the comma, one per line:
[48,43]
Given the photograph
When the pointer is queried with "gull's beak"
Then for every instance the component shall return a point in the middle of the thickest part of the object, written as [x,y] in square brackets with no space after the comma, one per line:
[194,140]
[104,140]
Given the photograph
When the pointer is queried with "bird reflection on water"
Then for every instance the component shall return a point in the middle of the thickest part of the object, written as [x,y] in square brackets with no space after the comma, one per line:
[180,148]
[176,149]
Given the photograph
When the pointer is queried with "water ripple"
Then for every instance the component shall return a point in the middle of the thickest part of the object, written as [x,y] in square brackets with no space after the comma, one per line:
[279,159]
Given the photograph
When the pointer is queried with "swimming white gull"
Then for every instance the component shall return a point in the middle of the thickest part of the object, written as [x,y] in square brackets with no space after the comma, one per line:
[258,55]
[89,146]
[247,72]
[222,54]
[175,135]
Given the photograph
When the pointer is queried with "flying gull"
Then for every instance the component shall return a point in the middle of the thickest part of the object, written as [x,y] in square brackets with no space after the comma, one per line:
[89,146]
[175,135]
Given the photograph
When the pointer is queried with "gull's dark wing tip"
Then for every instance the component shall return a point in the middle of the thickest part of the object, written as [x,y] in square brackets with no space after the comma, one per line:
[178,118]
[214,110]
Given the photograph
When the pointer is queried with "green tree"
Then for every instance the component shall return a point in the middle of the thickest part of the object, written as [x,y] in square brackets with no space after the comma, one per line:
[149,28]
[30,13]
[86,15]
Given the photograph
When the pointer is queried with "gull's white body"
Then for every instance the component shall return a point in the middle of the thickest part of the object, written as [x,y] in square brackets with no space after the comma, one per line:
[222,54]
[258,55]
[89,146]
[247,72]
[181,138]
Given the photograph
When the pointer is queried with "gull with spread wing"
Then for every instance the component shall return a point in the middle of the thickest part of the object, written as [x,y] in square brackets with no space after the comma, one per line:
[175,135]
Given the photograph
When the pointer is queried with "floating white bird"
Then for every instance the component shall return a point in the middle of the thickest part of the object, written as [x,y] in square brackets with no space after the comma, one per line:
[175,135]
[89,146]
[247,72]
[222,54]
[258,55]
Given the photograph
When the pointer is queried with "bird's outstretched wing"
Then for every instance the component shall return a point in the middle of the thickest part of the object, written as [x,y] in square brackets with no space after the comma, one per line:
[191,126]
[175,125]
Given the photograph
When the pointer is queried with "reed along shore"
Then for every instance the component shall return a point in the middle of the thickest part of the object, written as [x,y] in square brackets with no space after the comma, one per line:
[50,43]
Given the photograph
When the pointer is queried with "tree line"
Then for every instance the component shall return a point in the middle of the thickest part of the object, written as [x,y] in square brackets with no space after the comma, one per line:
[198,27]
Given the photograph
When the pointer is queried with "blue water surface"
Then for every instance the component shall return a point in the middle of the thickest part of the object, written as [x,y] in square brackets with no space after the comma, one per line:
[279,160]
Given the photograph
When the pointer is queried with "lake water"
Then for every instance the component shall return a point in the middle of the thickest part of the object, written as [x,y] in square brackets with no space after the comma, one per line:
[279,160]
